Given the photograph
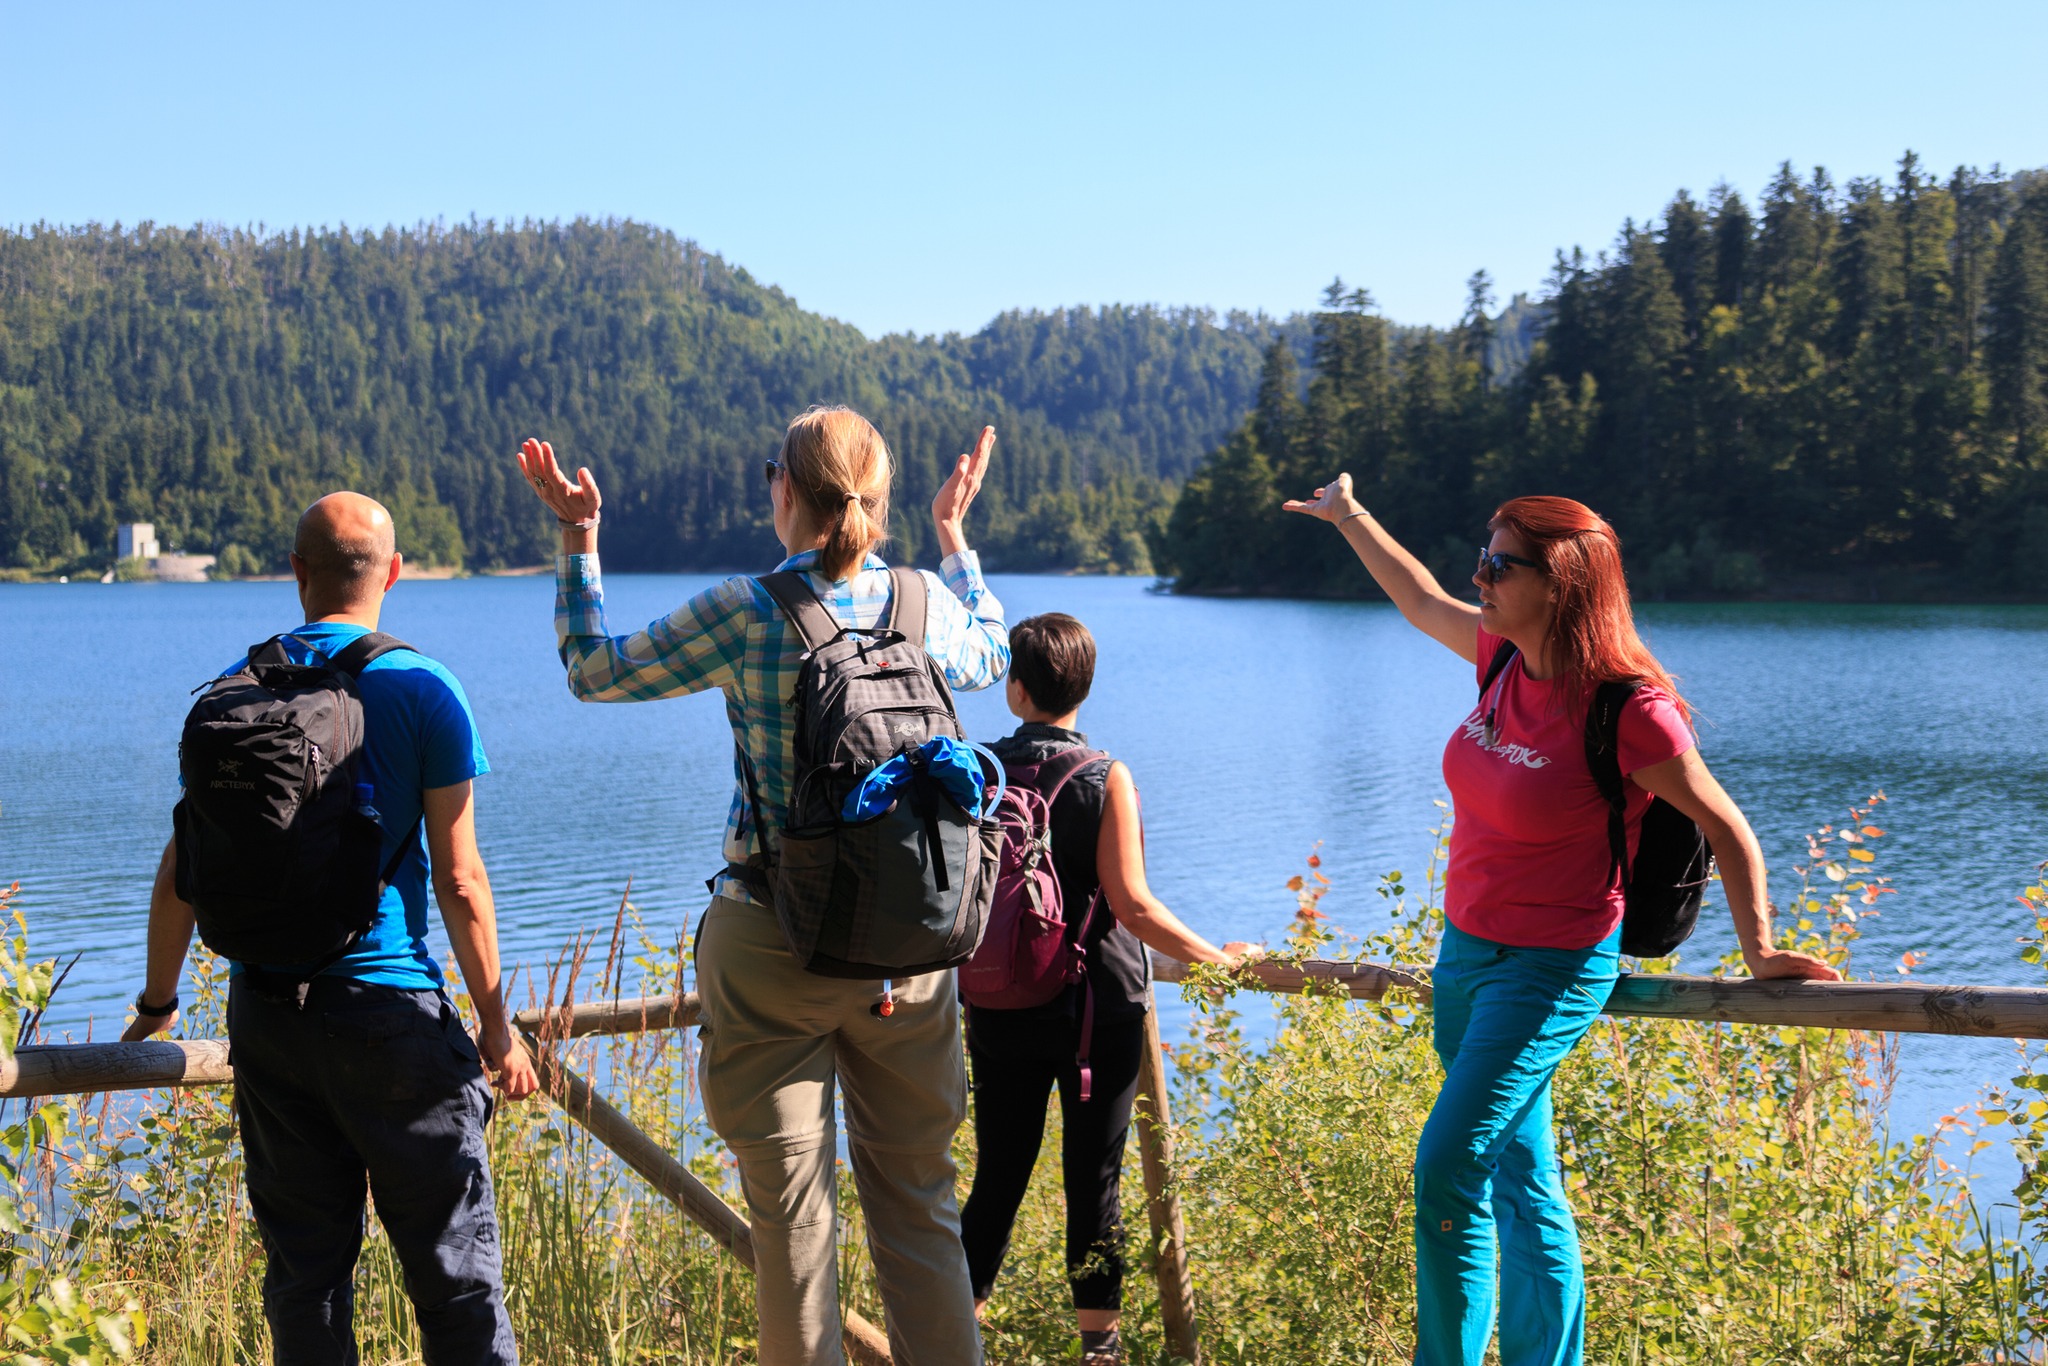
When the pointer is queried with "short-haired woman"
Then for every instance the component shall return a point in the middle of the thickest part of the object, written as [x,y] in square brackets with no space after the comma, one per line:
[776,1039]
[1021,1056]
[1534,904]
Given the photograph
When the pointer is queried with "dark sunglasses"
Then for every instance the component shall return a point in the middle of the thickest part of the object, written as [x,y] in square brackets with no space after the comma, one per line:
[1493,564]
[770,468]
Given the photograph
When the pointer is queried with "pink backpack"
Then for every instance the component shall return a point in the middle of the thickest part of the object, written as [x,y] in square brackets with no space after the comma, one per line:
[1029,953]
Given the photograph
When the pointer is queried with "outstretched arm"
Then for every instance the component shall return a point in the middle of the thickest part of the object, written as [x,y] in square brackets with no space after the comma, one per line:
[1687,785]
[464,891]
[1120,863]
[695,647]
[1422,600]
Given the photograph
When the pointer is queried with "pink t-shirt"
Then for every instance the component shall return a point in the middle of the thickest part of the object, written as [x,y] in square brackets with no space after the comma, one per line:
[1530,865]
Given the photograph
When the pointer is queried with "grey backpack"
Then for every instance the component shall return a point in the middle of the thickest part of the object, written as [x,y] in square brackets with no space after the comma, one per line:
[902,892]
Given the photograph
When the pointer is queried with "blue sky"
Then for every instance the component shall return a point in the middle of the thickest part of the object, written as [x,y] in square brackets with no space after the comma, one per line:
[922,167]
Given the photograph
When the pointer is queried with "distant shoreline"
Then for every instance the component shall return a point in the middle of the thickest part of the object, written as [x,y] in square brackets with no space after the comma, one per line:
[410,571]
[1877,588]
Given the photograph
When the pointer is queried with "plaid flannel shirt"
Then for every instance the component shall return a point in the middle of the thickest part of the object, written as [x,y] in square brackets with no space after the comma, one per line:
[732,636]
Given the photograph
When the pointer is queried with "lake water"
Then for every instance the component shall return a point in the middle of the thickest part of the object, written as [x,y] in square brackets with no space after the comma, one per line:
[1256,729]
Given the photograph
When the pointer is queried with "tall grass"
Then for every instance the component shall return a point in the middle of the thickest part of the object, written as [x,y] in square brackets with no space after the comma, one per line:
[1740,1196]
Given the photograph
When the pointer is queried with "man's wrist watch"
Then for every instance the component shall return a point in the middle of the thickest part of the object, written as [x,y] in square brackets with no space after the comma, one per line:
[143,1007]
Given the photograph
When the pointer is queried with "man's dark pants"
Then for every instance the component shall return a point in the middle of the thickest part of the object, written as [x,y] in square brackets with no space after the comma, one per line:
[379,1087]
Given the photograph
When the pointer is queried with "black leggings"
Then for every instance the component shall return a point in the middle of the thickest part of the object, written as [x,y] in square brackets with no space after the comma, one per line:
[1012,1078]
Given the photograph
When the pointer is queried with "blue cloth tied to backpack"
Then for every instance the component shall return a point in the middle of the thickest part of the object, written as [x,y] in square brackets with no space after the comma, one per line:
[953,764]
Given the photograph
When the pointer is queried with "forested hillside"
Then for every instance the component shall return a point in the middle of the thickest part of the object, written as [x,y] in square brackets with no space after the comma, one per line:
[1843,389]
[213,382]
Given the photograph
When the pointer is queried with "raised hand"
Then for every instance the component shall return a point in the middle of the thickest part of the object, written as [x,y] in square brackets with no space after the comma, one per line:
[1332,502]
[577,502]
[956,495]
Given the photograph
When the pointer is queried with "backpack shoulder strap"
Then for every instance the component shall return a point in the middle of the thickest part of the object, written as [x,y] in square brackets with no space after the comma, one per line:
[269,651]
[1502,654]
[1603,757]
[793,594]
[354,657]
[1063,768]
[909,605]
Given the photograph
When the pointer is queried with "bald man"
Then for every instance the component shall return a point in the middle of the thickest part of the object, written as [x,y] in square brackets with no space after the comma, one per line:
[371,1081]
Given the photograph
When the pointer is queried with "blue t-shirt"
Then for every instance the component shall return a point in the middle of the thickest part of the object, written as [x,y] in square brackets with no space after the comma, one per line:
[418,733]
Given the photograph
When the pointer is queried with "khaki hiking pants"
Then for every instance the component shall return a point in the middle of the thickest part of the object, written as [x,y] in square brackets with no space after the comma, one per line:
[774,1040]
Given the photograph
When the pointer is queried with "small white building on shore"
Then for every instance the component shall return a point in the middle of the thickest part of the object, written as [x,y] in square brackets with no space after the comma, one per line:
[137,541]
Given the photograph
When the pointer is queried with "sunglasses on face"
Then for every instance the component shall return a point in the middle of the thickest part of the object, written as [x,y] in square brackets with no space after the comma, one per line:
[1493,564]
[770,468]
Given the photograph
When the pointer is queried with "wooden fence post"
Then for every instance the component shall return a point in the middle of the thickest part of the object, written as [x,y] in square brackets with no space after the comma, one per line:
[865,1343]
[1162,1196]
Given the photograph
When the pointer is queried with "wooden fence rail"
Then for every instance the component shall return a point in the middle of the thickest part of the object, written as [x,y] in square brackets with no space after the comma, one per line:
[70,1069]
[1903,1007]
[1885,1007]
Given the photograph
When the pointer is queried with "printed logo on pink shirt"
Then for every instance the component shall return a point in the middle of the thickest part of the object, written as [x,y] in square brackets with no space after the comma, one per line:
[1475,731]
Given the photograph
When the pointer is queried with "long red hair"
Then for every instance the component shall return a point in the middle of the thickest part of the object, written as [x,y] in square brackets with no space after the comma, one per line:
[1593,630]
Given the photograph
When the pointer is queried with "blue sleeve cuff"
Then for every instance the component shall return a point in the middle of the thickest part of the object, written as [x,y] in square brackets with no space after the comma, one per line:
[579,596]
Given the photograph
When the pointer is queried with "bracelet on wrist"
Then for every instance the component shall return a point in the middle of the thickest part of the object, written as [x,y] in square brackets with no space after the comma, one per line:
[1362,512]
[143,1007]
[587,524]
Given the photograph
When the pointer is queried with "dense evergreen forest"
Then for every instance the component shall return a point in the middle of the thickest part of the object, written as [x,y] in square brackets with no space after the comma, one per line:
[213,382]
[1843,390]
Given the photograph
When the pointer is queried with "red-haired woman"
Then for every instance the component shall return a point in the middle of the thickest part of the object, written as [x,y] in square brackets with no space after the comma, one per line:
[1534,903]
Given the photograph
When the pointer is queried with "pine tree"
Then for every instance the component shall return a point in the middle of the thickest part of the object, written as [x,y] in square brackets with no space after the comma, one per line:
[1686,246]
[1278,414]
[1476,329]
[1731,228]
[2016,339]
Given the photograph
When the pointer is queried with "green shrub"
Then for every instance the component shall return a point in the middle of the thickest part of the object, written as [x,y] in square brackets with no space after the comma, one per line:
[1738,1194]
[236,561]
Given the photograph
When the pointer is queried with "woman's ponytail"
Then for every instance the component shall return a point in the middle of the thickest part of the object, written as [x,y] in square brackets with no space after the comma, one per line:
[853,535]
[839,472]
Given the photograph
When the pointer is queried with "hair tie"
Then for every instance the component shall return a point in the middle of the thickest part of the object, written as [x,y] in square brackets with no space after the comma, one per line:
[853,498]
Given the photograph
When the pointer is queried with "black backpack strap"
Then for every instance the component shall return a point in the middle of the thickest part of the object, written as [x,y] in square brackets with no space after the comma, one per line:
[356,655]
[753,875]
[1063,767]
[270,651]
[909,605]
[793,594]
[1603,757]
[1501,655]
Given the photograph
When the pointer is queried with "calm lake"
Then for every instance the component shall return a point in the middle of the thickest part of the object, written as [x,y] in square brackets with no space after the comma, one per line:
[1256,729]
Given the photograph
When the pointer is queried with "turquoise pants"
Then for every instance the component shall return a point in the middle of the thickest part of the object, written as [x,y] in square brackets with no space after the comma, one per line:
[1489,1196]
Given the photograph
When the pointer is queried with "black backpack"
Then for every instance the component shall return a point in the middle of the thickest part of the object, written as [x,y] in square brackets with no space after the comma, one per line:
[278,853]
[1662,891]
[900,893]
